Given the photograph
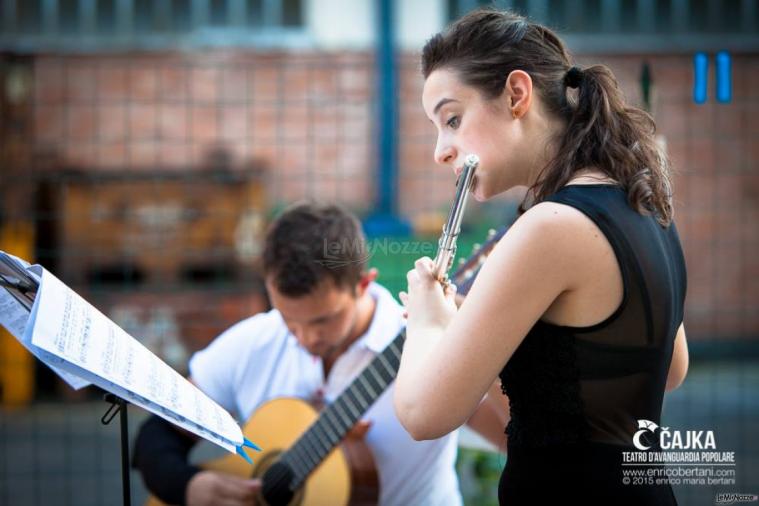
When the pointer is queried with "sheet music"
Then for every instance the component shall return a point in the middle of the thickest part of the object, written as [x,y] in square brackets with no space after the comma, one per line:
[74,336]
[14,317]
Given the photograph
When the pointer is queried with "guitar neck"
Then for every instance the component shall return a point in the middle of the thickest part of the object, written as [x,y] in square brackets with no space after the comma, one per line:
[342,414]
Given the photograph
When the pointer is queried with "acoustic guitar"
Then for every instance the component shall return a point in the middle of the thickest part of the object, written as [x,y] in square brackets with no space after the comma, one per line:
[310,456]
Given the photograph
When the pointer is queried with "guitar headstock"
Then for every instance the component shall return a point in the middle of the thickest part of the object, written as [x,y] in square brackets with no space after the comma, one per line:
[467,268]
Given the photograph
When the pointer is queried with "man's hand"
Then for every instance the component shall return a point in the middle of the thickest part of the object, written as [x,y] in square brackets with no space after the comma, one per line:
[210,487]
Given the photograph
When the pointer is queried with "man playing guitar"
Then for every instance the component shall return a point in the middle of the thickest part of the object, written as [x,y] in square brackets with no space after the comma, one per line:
[330,320]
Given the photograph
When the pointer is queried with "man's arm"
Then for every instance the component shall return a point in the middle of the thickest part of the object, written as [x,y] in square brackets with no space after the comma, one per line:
[160,454]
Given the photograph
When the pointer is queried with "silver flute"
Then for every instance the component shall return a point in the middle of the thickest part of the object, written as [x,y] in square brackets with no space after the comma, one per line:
[446,250]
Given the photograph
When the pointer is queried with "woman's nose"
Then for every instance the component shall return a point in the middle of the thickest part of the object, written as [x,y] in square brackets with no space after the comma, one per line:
[445,155]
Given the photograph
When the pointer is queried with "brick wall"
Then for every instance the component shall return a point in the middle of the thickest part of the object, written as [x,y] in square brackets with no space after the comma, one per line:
[310,119]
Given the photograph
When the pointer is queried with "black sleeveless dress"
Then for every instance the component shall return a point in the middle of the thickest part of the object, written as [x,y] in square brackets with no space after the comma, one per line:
[576,394]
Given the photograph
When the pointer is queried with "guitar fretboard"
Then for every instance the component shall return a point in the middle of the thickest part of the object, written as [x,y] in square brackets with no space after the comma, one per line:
[342,414]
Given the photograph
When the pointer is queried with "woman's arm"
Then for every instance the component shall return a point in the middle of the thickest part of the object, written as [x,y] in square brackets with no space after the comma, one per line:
[450,358]
[678,366]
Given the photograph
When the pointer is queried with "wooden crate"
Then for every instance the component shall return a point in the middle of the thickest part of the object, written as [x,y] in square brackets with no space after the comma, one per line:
[132,229]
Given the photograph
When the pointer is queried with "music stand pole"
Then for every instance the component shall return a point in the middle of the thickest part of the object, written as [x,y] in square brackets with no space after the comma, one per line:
[119,405]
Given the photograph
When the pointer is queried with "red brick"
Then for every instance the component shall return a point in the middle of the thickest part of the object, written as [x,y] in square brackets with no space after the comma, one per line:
[672,77]
[233,125]
[143,79]
[49,124]
[49,81]
[264,123]
[173,121]
[234,86]
[751,111]
[296,85]
[355,83]
[296,124]
[728,279]
[81,83]
[143,121]
[80,123]
[112,123]
[174,83]
[143,154]
[267,85]
[77,154]
[112,83]
[324,158]
[204,85]
[671,121]
[702,151]
[294,160]
[203,121]
[323,84]
[728,119]
[729,323]
[173,155]
[292,189]
[112,155]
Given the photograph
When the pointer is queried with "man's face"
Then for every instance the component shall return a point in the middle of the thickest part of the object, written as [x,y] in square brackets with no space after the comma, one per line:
[321,320]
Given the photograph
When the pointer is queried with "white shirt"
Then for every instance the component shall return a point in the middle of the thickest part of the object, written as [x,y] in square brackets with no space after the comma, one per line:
[258,359]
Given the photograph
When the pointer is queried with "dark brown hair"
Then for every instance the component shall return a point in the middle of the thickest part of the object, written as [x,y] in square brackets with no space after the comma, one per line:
[602,131]
[310,242]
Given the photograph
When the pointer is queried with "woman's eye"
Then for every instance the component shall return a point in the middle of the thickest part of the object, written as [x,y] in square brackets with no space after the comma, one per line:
[453,122]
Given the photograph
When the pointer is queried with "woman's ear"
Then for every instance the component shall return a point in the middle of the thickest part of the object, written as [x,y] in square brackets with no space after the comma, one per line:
[518,90]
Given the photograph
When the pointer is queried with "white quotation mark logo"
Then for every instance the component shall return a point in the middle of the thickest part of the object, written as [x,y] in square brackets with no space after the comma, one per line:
[644,426]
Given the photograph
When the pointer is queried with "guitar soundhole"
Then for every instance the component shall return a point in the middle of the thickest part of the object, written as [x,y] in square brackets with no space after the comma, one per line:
[276,476]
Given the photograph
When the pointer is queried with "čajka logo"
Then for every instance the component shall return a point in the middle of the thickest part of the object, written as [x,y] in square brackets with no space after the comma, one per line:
[672,440]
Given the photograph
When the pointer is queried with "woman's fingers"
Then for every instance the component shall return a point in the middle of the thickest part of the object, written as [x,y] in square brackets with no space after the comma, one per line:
[424,266]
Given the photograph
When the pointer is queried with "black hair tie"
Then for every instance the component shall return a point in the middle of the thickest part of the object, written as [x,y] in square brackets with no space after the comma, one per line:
[574,77]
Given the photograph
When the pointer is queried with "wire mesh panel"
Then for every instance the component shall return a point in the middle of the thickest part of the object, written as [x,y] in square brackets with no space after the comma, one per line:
[142,163]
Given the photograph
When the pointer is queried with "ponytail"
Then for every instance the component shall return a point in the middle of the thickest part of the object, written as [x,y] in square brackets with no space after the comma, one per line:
[604,133]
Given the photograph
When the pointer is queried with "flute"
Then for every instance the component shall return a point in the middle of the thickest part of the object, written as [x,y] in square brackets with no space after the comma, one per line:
[446,250]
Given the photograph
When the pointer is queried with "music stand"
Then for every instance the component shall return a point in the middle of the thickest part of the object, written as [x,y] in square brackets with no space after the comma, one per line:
[24,289]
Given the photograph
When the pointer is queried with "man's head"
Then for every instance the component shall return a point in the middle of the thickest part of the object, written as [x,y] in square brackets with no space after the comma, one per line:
[315,269]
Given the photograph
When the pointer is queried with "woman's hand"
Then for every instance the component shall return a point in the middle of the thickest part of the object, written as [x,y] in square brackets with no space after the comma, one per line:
[427,305]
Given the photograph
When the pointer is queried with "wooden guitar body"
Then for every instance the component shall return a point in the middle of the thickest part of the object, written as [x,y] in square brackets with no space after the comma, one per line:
[347,476]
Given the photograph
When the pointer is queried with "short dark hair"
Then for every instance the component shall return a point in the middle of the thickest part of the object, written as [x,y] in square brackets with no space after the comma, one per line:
[310,242]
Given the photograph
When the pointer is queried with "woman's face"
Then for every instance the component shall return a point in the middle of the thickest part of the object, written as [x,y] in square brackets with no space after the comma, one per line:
[469,124]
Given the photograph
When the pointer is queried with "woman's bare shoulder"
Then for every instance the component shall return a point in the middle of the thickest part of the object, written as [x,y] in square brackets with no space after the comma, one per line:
[553,221]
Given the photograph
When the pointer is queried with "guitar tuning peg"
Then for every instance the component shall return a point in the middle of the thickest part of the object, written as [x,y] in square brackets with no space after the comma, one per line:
[468,274]
[482,259]
[491,233]
[476,247]
[462,261]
